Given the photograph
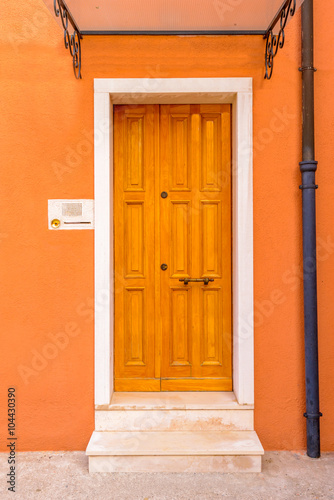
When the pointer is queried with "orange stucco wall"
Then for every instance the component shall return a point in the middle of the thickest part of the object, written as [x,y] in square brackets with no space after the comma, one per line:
[46,124]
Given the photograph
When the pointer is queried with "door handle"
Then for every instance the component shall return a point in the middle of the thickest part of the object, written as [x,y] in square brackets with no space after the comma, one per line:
[205,280]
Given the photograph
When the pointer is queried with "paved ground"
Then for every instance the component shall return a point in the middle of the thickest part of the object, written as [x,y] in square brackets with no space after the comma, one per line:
[64,476]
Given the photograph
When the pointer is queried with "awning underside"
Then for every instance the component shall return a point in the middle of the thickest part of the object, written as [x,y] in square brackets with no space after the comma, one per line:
[171,15]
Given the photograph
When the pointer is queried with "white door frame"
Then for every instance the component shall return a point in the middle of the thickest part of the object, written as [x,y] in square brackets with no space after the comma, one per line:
[238,92]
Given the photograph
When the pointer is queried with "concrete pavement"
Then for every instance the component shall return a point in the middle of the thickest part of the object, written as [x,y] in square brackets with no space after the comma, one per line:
[56,475]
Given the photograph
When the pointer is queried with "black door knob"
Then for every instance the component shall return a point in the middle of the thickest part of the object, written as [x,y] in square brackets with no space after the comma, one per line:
[164,267]
[164,194]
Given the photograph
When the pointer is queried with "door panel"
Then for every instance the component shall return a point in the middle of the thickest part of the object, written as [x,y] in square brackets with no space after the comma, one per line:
[135,133]
[180,262]
[168,335]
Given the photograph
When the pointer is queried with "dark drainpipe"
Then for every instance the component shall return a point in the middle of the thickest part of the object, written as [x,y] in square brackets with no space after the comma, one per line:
[308,167]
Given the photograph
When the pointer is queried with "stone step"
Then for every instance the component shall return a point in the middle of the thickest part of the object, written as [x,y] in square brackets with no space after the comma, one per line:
[173,401]
[175,451]
[174,420]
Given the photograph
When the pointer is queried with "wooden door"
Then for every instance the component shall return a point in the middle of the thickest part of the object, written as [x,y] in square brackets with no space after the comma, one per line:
[172,205]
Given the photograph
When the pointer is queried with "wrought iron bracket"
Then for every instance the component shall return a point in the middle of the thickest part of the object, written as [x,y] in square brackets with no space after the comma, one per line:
[276,41]
[71,41]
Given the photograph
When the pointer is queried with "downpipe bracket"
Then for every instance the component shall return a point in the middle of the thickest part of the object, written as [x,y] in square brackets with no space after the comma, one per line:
[305,68]
[308,166]
[313,415]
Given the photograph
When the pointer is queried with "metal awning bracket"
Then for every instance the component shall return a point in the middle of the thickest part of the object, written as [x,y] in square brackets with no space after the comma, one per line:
[276,41]
[71,41]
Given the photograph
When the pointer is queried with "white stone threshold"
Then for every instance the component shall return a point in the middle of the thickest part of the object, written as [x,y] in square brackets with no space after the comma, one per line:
[174,401]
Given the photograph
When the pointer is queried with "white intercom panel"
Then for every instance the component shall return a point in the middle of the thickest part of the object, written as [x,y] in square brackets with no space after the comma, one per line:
[70,214]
